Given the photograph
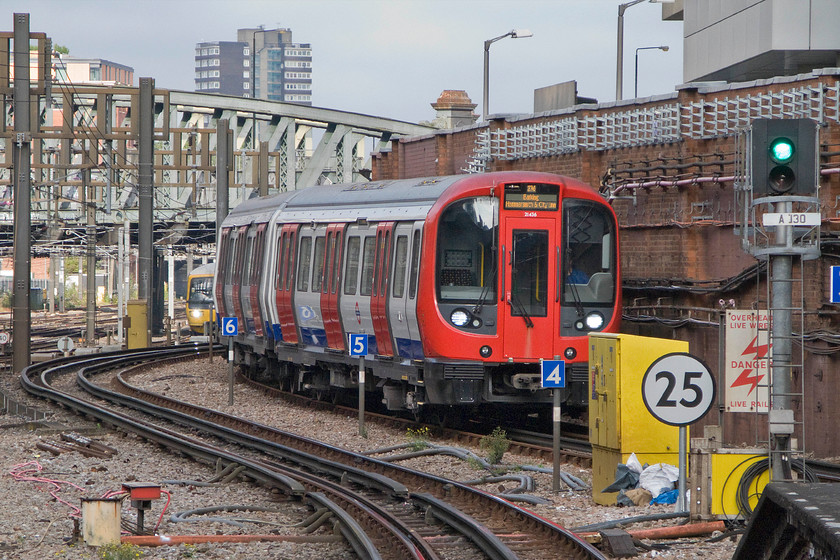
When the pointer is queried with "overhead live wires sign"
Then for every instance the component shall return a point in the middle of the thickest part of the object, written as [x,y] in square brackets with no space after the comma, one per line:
[748,357]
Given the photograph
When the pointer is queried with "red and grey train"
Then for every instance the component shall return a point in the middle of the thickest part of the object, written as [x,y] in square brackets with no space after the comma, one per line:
[461,283]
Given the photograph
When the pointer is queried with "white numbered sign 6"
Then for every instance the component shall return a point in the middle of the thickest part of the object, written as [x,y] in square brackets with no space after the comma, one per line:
[230,326]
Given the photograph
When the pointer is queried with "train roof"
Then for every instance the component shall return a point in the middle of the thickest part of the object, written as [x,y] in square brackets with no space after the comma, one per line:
[204,269]
[400,199]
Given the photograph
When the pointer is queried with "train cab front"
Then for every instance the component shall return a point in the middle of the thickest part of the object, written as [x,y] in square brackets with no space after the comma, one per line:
[523,274]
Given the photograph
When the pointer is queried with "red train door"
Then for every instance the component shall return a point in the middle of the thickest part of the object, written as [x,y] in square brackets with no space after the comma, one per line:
[285,285]
[379,295]
[529,292]
[329,288]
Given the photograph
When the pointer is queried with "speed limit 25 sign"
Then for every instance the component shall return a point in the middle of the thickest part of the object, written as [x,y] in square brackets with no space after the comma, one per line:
[678,389]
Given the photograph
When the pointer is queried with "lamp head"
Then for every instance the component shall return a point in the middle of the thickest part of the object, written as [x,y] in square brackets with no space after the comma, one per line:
[521,33]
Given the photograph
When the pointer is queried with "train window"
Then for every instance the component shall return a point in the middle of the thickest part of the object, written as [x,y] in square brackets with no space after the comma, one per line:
[336,264]
[304,263]
[282,261]
[318,264]
[290,259]
[367,266]
[385,263]
[257,260]
[588,253]
[529,273]
[415,265]
[351,267]
[400,265]
[201,289]
[230,269]
[467,244]
[223,254]
[246,266]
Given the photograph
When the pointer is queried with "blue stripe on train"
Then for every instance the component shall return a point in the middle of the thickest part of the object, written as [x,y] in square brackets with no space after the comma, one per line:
[409,348]
[316,337]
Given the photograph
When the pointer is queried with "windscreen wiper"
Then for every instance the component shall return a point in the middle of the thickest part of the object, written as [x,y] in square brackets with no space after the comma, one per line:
[521,308]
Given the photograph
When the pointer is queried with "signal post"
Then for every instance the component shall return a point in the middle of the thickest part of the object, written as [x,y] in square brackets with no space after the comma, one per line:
[781,224]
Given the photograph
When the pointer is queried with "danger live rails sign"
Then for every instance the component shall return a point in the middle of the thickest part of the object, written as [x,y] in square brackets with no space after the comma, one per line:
[747,360]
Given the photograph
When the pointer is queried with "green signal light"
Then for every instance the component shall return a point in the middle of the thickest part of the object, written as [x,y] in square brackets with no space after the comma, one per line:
[781,150]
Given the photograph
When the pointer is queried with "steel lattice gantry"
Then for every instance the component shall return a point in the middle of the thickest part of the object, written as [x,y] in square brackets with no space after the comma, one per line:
[88,135]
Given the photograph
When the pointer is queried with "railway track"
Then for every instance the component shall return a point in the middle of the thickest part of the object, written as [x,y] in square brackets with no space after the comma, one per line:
[574,450]
[393,512]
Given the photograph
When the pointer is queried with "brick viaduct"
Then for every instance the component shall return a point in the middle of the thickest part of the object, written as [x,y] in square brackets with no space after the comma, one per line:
[671,166]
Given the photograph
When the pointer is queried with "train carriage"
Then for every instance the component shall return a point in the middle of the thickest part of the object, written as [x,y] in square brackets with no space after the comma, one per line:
[199,306]
[461,283]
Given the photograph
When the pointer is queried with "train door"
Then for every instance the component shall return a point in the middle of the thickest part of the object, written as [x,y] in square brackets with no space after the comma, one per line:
[402,304]
[413,280]
[246,272]
[221,269]
[233,274]
[379,295]
[357,280]
[310,277]
[255,275]
[531,269]
[285,284]
[330,286]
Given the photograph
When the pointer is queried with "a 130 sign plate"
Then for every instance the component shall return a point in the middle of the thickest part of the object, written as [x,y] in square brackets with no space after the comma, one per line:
[678,389]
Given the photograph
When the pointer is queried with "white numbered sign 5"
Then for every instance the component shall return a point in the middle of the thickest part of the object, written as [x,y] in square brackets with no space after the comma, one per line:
[358,344]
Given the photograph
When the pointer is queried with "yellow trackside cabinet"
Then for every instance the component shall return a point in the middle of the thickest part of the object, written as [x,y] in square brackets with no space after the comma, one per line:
[619,422]
[138,334]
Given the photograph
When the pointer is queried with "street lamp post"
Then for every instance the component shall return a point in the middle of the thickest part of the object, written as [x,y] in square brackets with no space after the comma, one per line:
[663,48]
[619,65]
[514,33]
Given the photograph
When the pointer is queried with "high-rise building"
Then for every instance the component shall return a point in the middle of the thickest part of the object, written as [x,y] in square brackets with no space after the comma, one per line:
[223,67]
[262,63]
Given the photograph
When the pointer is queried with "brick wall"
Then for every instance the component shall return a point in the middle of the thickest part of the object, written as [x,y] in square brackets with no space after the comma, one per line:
[680,254]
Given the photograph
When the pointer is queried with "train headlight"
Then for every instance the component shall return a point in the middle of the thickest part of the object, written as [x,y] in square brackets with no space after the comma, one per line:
[195,313]
[570,353]
[485,351]
[594,321]
[459,317]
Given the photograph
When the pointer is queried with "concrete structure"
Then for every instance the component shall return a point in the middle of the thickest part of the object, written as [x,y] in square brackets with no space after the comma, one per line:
[454,108]
[739,40]
[558,96]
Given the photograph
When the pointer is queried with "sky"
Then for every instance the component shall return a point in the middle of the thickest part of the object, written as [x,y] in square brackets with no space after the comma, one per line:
[388,58]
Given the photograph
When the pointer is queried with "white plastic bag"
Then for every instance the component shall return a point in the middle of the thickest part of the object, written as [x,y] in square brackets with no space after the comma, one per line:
[633,464]
[658,478]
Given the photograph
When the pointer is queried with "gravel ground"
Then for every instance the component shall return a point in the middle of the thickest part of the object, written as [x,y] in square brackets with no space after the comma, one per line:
[37,524]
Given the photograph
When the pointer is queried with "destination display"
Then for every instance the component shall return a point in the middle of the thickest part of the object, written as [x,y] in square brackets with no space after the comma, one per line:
[532,196]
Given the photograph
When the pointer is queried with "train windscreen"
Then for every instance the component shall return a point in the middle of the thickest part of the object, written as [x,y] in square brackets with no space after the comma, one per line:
[201,290]
[467,238]
[589,256]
